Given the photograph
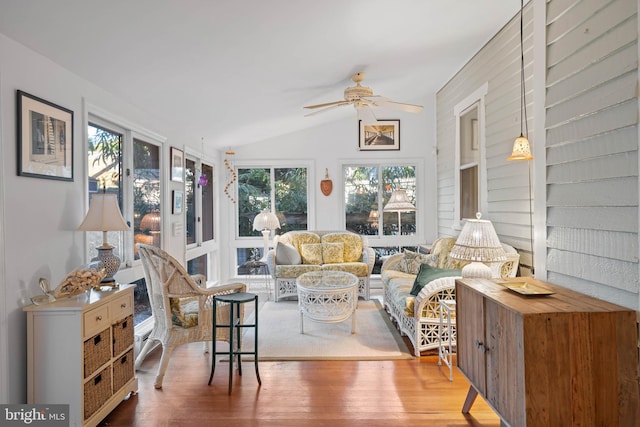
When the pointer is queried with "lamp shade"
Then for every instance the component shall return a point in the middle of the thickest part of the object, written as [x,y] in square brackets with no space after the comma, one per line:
[521,149]
[266,220]
[150,221]
[399,202]
[104,214]
[478,242]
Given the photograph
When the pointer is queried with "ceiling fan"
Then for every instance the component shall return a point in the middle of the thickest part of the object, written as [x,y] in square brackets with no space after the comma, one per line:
[363,100]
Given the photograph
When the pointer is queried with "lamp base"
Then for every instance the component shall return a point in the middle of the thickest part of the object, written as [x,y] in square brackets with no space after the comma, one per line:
[108,261]
[477,270]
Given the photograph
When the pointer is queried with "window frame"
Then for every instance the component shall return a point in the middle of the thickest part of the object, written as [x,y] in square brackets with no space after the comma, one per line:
[239,242]
[380,240]
[459,110]
[130,269]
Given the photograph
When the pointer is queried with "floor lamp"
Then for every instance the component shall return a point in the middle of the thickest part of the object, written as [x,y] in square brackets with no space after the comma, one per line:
[521,147]
[265,221]
[399,202]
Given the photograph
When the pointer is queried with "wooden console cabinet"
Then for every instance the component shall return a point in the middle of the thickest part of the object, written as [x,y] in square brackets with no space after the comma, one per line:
[556,360]
[80,352]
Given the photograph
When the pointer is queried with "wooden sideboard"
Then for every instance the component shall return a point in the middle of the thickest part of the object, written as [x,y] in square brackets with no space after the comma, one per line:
[555,360]
[80,352]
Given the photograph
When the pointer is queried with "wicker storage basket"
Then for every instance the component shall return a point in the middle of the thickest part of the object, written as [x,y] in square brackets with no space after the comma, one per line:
[122,370]
[97,391]
[122,335]
[97,351]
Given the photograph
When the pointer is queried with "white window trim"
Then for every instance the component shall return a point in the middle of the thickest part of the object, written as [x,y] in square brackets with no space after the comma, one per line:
[130,270]
[476,97]
[236,241]
[390,241]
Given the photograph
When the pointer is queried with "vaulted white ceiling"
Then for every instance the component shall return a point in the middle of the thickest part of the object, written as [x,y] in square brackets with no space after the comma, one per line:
[239,71]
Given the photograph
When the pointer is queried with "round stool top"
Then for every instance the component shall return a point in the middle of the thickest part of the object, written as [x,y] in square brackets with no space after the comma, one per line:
[236,297]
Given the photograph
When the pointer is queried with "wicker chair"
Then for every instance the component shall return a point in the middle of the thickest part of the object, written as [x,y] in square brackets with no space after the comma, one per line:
[176,296]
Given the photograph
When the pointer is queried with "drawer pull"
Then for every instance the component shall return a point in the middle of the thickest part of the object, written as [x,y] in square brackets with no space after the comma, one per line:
[97,379]
[96,340]
[123,360]
[124,325]
[98,318]
[123,305]
[481,346]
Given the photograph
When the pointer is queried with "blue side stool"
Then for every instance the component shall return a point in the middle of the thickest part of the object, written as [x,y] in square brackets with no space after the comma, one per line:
[235,324]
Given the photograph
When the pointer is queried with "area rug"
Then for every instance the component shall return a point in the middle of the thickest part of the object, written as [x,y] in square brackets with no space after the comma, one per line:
[279,336]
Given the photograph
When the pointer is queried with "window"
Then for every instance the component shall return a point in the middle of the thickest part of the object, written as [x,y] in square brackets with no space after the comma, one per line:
[367,190]
[469,180]
[284,188]
[198,201]
[121,162]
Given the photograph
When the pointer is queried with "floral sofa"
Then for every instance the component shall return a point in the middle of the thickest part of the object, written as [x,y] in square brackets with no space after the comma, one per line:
[412,292]
[298,252]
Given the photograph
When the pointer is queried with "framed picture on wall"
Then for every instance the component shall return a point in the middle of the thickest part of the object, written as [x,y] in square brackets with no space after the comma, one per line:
[177,165]
[45,139]
[178,201]
[384,135]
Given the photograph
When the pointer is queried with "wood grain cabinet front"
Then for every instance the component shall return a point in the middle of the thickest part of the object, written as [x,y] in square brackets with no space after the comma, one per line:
[555,360]
[80,353]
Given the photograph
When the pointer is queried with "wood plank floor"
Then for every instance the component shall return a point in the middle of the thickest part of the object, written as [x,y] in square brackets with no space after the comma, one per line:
[309,393]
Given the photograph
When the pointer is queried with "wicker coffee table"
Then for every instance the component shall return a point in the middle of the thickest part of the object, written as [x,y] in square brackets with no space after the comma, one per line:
[328,297]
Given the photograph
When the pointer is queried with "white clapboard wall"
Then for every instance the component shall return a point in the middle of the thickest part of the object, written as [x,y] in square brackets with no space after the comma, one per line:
[592,147]
[591,143]
[507,183]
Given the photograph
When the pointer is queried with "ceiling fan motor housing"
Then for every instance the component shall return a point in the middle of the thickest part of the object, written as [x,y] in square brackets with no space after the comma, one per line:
[354,93]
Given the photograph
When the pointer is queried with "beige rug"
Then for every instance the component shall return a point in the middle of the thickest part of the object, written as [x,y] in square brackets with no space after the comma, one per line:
[279,336]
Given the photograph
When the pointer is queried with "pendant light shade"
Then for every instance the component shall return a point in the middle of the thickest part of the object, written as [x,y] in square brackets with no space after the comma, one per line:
[521,149]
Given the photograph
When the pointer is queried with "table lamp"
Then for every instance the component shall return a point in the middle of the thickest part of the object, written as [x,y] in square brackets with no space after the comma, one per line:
[104,215]
[265,221]
[478,243]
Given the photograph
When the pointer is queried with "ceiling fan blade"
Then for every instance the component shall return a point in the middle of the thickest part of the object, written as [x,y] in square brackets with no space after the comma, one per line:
[327,104]
[365,113]
[386,102]
[331,106]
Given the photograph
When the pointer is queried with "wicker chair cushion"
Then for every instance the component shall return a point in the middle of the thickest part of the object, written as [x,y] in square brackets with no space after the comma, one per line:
[311,253]
[428,273]
[360,269]
[293,271]
[184,312]
[332,253]
[352,245]
[410,262]
[287,254]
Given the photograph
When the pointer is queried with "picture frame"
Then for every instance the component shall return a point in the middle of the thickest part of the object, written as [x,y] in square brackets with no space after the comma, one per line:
[178,201]
[384,135]
[45,138]
[177,165]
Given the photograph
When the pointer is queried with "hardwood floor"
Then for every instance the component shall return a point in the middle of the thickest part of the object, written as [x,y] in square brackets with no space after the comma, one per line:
[307,393]
[310,393]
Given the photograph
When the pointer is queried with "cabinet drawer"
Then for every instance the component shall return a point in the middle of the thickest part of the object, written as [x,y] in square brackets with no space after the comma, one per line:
[122,307]
[122,370]
[122,335]
[96,320]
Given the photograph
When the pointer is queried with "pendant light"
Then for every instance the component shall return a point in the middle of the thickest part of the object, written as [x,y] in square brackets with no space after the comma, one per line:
[521,148]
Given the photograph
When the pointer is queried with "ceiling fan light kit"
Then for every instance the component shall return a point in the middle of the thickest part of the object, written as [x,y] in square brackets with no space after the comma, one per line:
[364,100]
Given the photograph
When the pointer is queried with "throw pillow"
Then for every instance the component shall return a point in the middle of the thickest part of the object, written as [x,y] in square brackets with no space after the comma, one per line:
[286,254]
[332,253]
[311,253]
[427,273]
[410,262]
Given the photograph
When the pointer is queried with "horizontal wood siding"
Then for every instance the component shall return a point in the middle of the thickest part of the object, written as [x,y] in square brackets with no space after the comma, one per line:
[497,64]
[592,148]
